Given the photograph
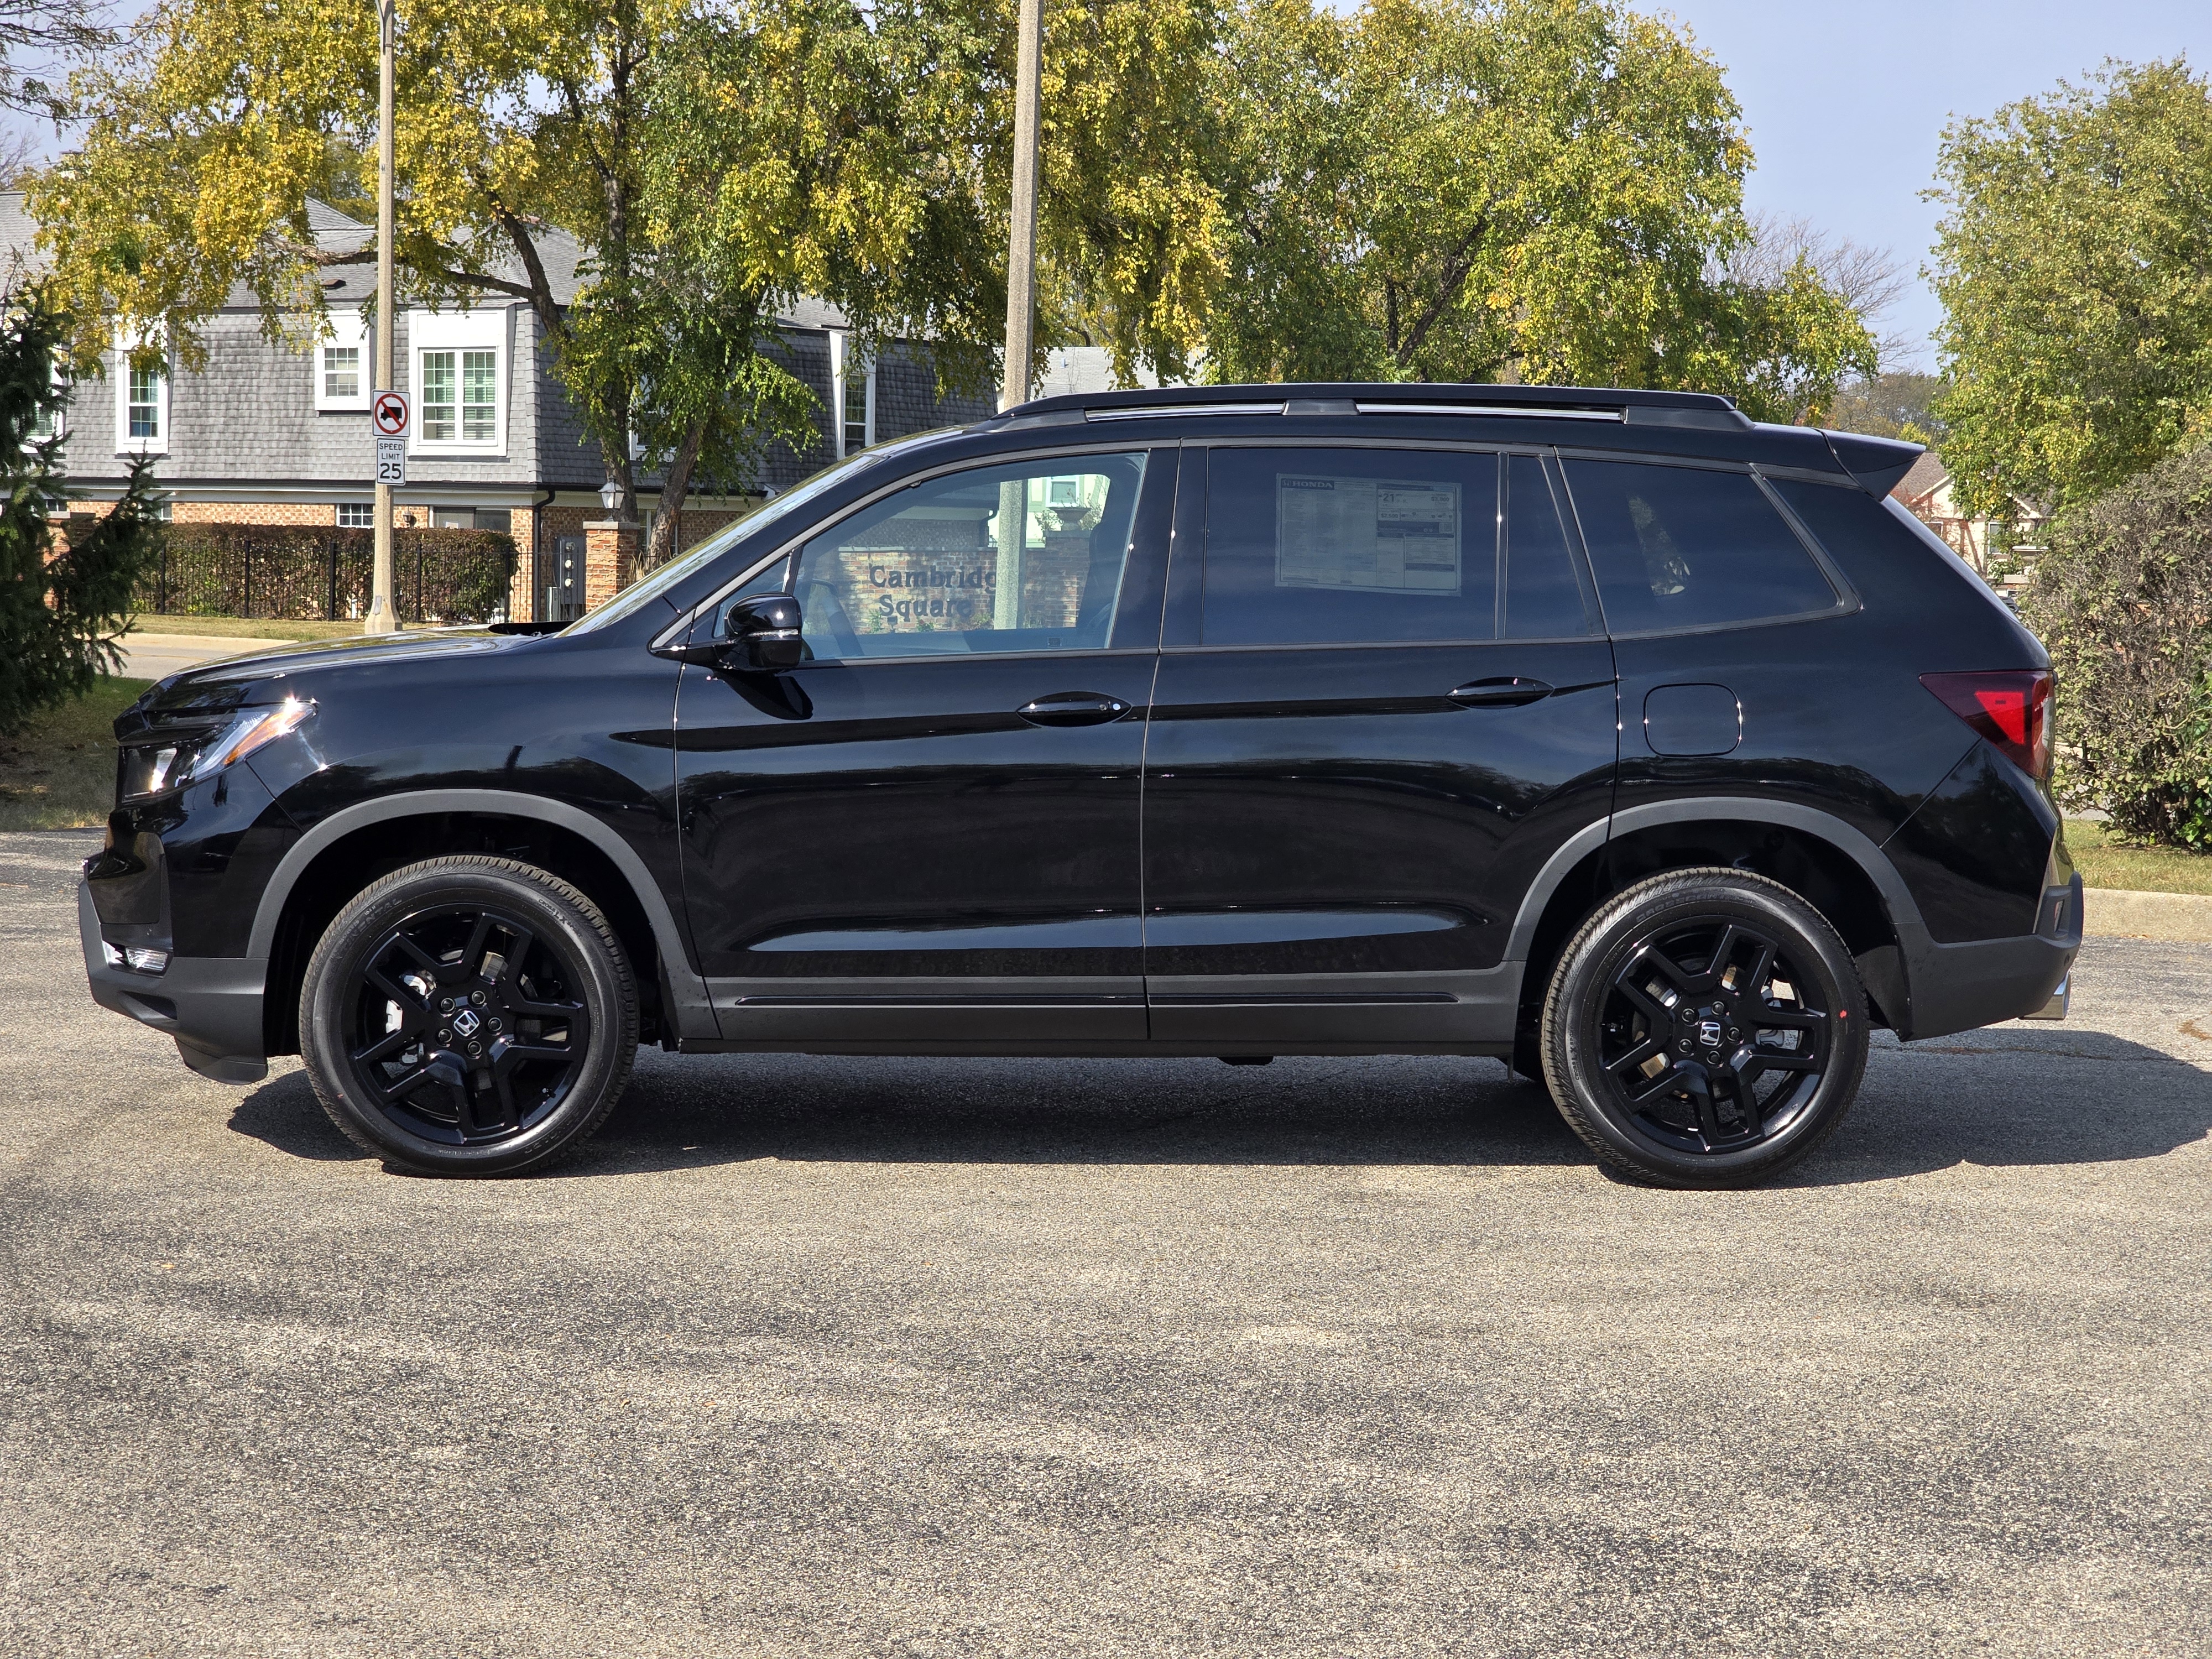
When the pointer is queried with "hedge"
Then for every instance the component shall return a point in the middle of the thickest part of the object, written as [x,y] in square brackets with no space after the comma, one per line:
[304,572]
[2122,598]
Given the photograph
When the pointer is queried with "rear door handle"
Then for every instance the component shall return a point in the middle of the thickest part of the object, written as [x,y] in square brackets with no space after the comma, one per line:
[1074,708]
[1508,693]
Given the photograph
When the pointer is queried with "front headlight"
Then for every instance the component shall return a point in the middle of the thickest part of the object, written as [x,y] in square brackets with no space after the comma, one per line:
[170,761]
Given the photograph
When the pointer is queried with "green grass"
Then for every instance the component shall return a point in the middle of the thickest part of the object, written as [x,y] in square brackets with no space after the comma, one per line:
[243,628]
[2138,869]
[58,772]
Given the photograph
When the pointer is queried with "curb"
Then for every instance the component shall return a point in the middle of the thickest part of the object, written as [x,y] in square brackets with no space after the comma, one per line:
[2174,918]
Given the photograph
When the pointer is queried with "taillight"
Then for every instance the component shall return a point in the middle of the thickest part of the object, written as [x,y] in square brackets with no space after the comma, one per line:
[2010,706]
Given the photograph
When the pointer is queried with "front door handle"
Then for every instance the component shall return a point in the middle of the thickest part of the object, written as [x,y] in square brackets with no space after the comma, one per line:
[1510,692]
[1074,708]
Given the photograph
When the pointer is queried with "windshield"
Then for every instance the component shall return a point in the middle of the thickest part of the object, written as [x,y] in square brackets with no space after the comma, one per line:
[676,571]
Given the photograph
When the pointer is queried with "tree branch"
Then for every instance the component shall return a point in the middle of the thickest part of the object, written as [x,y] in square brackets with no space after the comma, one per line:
[1457,264]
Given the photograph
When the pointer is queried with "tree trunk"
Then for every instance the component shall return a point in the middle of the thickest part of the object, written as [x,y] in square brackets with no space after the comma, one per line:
[673,489]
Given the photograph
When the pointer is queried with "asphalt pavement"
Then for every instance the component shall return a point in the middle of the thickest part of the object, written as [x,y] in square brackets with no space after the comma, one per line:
[814,1356]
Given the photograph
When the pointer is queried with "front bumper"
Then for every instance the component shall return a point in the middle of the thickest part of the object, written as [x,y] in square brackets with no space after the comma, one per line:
[211,1004]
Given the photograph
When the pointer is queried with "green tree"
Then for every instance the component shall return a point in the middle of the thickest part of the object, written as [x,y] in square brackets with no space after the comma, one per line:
[2122,598]
[1898,404]
[1548,191]
[2071,263]
[61,610]
[714,160]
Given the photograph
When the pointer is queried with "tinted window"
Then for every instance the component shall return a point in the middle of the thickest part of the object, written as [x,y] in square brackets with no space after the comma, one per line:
[1682,547]
[1543,598]
[1024,557]
[1346,546]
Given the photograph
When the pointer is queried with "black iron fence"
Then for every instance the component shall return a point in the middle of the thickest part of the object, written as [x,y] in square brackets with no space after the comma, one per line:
[298,572]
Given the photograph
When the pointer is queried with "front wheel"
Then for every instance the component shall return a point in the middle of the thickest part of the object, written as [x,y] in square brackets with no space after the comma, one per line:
[1706,1027]
[468,1016]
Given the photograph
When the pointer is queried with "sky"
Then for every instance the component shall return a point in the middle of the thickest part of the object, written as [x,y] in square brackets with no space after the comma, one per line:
[1845,102]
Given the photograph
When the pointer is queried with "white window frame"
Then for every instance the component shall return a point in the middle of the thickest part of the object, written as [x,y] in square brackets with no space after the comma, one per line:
[156,443]
[457,332]
[346,328]
[842,365]
[367,509]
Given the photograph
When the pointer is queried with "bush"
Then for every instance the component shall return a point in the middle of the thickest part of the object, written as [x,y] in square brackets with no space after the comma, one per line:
[307,572]
[2124,599]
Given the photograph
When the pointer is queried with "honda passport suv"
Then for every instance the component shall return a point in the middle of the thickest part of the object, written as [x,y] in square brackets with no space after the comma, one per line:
[1653,751]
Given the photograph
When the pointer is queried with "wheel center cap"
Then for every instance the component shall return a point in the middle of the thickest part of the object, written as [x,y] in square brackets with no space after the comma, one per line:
[466,1021]
[1709,1032]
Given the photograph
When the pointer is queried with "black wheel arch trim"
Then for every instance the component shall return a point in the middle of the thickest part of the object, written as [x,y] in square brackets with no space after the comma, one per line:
[693,1009]
[1860,849]
[1889,973]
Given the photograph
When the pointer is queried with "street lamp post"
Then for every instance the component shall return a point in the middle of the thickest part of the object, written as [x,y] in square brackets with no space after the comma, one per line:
[383,615]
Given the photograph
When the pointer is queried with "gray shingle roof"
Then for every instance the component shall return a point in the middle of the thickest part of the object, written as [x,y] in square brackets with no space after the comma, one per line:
[1924,475]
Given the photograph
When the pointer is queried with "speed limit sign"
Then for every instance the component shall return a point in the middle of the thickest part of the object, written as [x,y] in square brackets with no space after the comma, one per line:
[388,412]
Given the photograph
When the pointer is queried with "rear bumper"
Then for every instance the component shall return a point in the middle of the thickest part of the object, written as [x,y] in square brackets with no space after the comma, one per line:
[1957,988]
[211,1004]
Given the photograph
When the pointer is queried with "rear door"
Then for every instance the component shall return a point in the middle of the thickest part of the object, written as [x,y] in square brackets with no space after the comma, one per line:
[1384,700]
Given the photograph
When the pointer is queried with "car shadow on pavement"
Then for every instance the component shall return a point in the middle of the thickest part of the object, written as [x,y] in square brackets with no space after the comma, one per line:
[2002,1097]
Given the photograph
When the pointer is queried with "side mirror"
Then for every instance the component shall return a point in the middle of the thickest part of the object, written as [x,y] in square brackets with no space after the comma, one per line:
[763,632]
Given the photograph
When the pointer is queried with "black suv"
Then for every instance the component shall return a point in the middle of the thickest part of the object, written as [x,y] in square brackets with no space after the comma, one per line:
[1654,751]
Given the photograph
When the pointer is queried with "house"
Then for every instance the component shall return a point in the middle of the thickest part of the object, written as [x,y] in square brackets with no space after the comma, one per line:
[278,433]
[1926,492]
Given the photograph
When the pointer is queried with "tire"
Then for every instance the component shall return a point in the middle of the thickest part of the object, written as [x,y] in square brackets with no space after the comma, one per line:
[1705,1028]
[458,954]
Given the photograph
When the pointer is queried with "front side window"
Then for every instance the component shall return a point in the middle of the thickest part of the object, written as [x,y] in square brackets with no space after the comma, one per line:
[1676,547]
[1021,558]
[145,409]
[437,401]
[1350,546]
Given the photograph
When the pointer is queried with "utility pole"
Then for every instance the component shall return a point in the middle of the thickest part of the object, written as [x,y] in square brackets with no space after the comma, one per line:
[383,615]
[1021,263]
[1012,536]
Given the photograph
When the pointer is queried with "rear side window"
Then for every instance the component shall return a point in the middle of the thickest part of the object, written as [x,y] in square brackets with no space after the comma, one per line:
[1543,596]
[1350,546]
[1676,547]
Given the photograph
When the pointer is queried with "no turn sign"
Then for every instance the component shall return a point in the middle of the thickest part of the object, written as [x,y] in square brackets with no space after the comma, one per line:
[388,412]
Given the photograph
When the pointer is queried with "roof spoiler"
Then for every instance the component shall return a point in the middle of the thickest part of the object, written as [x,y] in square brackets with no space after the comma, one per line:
[1877,463]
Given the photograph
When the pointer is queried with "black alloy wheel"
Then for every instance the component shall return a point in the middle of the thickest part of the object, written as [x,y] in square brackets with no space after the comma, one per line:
[1706,1027]
[468,1016]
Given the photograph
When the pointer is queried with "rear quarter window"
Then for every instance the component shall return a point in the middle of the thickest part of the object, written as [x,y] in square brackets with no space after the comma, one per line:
[1679,547]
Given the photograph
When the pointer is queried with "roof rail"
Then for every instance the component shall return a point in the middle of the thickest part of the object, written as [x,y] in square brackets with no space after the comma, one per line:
[1396,399]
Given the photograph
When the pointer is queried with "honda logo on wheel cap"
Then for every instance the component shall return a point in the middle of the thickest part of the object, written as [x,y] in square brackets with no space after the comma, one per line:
[1709,1032]
[466,1023]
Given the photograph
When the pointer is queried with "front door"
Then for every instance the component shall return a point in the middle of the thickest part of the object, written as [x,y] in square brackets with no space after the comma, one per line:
[927,835]
[1384,702]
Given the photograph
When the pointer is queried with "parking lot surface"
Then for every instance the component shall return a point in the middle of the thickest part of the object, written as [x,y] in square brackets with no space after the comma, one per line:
[827,1357]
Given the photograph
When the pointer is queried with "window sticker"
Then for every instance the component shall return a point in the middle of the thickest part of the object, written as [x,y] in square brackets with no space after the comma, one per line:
[1387,535]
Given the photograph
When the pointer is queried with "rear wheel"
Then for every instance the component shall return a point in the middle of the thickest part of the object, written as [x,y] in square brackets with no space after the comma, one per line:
[1706,1027]
[468,1016]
